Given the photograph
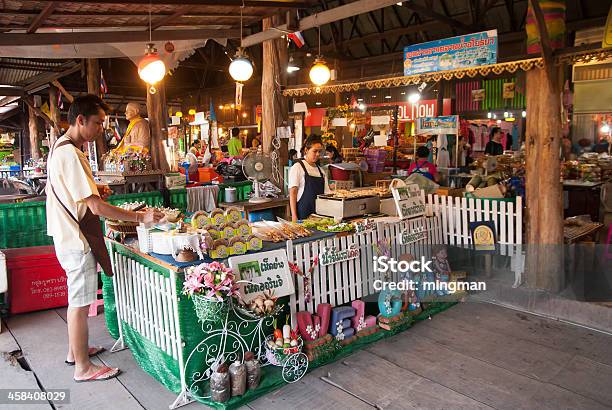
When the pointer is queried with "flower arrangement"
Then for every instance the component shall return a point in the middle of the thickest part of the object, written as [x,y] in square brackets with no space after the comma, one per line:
[329,138]
[213,280]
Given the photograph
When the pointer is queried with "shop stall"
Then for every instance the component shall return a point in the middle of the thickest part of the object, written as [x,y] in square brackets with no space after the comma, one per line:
[321,285]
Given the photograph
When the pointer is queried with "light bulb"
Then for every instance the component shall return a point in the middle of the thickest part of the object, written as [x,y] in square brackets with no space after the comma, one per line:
[319,73]
[220,107]
[387,97]
[179,114]
[244,115]
[151,68]
[505,114]
[524,114]
[489,115]
[241,68]
[414,98]
[318,103]
[362,106]
[192,111]
[605,128]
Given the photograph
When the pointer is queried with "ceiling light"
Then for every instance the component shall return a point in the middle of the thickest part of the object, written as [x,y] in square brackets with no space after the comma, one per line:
[179,114]
[292,66]
[192,111]
[388,97]
[605,128]
[362,107]
[318,103]
[244,115]
[524,114]
[221,107]
[403,93]
[489,115]
[359,99]
[151,68]
[241,68]
[319,72]
[414,98]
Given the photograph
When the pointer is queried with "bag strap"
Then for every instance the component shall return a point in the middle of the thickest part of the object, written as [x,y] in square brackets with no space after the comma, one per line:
[55,146]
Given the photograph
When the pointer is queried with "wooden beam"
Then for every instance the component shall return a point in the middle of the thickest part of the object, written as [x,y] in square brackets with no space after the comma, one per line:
[39,19]
[30,103]
[318,19]
[40,39]
[120,14]
[437,16]
[45,78]
[66,94]
[55,114]
[168,19]
[246,3]
[33,134]
[7,90]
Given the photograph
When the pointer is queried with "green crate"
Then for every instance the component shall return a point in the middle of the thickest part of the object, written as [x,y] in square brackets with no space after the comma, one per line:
[150,198]
[178,198]
[23,225]
[242,190]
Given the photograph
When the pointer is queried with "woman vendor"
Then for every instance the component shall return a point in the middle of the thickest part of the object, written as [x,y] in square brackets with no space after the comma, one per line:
[422,166]
[307,180]
[196,146]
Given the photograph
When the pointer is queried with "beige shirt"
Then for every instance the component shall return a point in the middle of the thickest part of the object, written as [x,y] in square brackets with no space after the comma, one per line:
[70,174]
[140,134]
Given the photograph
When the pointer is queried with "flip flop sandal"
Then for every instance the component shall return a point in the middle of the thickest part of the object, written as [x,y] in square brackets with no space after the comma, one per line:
[105,373]
[92,352]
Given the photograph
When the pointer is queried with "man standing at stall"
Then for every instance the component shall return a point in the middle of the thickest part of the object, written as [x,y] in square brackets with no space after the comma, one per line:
[74,205]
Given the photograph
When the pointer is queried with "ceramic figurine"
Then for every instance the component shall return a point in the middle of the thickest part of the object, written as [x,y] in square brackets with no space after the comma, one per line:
[441,267]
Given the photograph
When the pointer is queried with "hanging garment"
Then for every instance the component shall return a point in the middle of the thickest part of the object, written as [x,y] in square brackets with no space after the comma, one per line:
[443,156]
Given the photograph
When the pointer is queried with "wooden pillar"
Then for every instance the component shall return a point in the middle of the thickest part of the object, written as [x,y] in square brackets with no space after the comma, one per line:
[156,107]
[274,75]
[543,186]
[55,114]
[33,131]
[93,87]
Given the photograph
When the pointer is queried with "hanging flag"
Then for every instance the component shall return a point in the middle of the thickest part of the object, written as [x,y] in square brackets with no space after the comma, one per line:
[213,116]
[103,87]
[354,103]
[297,38]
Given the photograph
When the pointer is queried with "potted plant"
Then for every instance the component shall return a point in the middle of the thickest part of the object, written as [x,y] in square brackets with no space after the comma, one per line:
[211,286]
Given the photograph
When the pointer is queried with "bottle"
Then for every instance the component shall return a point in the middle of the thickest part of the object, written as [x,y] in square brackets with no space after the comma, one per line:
[238,377]
[253,370]
[220,390]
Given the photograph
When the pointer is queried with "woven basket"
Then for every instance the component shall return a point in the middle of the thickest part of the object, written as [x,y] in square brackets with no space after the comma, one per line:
[210,309]
[124,227]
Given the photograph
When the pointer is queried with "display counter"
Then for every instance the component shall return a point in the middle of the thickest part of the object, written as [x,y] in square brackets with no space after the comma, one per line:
[146,311]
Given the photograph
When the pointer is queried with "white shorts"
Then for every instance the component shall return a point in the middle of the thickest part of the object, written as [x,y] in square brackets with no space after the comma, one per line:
[82,272]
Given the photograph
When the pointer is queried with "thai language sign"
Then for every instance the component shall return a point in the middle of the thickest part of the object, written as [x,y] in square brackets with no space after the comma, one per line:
[408,201]
[263,272]
[329,256]
[470,50]
[448,124]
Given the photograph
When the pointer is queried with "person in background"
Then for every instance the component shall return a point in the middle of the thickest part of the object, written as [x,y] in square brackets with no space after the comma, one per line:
[333,153]
[423,166]
[196,146]
[292,157]
[307,180]
[494,146]
[255,143]
[74,206]
[234,145]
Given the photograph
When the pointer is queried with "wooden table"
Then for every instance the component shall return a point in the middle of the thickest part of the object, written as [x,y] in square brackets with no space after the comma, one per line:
[279,205]
[581,198]
[124,183]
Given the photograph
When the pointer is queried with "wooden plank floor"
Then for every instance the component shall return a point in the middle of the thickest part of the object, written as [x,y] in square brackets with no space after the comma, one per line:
[472,356]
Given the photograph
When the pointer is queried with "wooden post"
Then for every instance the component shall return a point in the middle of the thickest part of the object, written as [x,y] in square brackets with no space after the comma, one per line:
[34,139]
[274,75]
[93,87]
[543,187]
[157,123]
[55,114]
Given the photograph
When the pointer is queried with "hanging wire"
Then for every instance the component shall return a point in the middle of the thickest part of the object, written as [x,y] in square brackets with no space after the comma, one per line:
[150,24]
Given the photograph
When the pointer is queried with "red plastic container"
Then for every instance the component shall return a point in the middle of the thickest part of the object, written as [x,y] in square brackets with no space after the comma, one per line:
[339,174]
[193,177]
[36,281]
[207,174]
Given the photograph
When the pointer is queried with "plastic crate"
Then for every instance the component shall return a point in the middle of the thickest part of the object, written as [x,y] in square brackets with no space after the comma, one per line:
[243,189]
[150,198]
[23,225]
[178,199]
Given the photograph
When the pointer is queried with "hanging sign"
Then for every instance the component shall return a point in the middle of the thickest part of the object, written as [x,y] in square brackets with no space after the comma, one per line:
[329,256]
[408,201]
[478,95]
[483,235]
[470,50]
[448,124]
[409,236]
[265,271]
[339,122]
[364,227]
[508,92]
[239,87]
[380,120]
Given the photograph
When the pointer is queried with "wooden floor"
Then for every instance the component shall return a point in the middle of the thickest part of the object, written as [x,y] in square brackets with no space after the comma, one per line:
[472,356]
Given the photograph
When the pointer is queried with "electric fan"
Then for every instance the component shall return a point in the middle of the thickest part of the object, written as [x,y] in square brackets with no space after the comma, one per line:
[257,167]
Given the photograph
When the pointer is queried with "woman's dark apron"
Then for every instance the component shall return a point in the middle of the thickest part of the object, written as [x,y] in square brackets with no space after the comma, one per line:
[90,226]
[313,186]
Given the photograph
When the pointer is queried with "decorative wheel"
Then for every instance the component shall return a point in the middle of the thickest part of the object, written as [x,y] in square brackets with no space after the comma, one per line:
[295,367]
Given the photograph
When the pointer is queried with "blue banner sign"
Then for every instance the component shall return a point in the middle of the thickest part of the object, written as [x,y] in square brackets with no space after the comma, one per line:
[448,124]
[470,50]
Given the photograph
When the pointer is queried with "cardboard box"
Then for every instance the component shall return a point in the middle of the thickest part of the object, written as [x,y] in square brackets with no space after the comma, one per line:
[489,192]
[454,192]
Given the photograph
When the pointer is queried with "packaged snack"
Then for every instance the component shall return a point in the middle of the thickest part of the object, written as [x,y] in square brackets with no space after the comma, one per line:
[215,232]
[243,229]
[219,249]
[201,220]
[217,217]
[228,231]
[254,243]
[237,246]
[233,215]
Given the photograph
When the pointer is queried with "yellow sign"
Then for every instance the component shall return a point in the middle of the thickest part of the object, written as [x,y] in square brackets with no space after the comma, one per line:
[607,37]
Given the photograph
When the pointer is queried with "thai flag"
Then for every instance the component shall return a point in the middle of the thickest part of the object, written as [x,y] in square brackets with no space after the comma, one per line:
[297,38]
[103,87]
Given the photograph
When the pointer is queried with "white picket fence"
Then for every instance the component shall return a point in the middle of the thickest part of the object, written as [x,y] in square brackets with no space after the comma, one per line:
[346,281]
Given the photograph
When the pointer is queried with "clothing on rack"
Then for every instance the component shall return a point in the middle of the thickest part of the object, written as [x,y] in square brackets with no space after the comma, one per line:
[443,155]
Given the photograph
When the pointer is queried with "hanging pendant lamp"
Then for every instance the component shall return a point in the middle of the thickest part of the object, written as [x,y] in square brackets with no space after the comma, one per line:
[151,68]
[241,67]
[319,72]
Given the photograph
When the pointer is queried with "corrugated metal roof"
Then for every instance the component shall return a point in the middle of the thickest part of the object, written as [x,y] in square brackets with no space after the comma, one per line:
[16,71]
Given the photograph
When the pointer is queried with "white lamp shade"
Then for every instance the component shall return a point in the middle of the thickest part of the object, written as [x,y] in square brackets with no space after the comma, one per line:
[319,73]
[241,69]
